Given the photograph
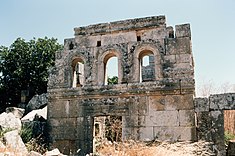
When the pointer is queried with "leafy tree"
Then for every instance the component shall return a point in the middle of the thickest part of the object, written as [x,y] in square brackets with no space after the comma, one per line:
[112,80]
[24,66]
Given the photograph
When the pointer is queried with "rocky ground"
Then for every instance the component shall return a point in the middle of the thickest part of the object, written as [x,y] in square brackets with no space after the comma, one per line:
[22,130]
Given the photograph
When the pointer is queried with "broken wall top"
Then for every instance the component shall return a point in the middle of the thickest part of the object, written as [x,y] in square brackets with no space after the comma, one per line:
[126,25]
[128,40]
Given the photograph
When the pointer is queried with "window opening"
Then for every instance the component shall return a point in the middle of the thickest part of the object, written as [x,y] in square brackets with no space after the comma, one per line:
[71,46]
[147,71]
[111,71]
[78,73]
[171,34]
[138,38]
[98,43]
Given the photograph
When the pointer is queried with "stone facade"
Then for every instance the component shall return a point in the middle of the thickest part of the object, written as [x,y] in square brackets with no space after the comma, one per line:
[161,107]
[210,118]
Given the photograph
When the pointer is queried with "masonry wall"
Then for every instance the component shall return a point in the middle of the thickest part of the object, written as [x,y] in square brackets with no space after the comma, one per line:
[161,108]
[210,118]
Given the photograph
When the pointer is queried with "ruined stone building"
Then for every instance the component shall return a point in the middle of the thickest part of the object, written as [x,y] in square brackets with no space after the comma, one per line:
[154,101]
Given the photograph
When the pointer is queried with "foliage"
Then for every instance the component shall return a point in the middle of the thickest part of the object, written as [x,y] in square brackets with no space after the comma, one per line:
[112,80]
[3,131]
[26,133]
[33,143]
[228,136]
[37,144]
[24,66]
[113,128]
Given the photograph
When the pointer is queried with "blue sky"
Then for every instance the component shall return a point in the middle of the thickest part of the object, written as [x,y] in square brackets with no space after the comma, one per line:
[212,25]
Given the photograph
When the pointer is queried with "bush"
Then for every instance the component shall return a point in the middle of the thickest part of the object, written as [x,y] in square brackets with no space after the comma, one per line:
[32,142]
[26,133]
[3,131]
[228,136]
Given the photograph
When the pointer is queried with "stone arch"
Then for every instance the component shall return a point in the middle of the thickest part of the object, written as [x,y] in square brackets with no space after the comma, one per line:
[142,50]
[77,71]
[102,61]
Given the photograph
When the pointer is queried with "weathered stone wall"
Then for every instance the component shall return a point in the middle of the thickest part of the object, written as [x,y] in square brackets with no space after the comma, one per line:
[210,118]
[162,108]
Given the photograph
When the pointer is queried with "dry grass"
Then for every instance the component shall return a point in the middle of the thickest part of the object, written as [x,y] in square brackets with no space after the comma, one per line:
[132,148]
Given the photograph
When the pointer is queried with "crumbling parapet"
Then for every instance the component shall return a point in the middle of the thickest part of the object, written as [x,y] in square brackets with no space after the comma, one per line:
[161,107]
[210,118]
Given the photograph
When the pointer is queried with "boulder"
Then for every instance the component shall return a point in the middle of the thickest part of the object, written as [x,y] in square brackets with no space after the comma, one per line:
[54,152]
[36,120]
[31,115]
[14,142]
[18,112]
[2,146]
[37,102]
[231,147]
[9,121]
[33,153]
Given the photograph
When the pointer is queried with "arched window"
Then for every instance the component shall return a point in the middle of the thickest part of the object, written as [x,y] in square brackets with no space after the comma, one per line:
[147,67]
[111,69]
[78,72]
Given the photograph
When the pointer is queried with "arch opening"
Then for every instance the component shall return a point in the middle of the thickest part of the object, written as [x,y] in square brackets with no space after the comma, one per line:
[111,69]
[78,72]
[147,66]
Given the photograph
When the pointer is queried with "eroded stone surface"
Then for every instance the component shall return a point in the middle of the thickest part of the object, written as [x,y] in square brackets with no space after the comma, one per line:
[152,100]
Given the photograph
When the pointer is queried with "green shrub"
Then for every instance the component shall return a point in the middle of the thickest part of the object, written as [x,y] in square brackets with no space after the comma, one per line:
[228,136]
[3,131]
[26,133]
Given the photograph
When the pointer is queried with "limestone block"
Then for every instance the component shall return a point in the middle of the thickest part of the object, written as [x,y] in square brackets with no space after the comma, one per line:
[154,34]
[179,102]
[178,46]
[171,102]
[33,153]
[130,133]
[31,115]
[175,133]
[61,109]
[170,58]
[163,118]
[63,127]
[204,128]
[52,152]
[146,133]
[183,65]
[184,58]
[217,119]
[14,141]
[18,112]
[9,121]
[139,106]
[222,101]
[186,133]
[187,117]
[231,147]
[201,104]
[37,102]
[165,133]
[118,38]
[182,30]
[133,121]
[156,103]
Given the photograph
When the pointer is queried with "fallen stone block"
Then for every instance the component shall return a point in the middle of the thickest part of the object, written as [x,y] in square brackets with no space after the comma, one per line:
[9,121]
[14,142]
[18,112]
[37,102]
